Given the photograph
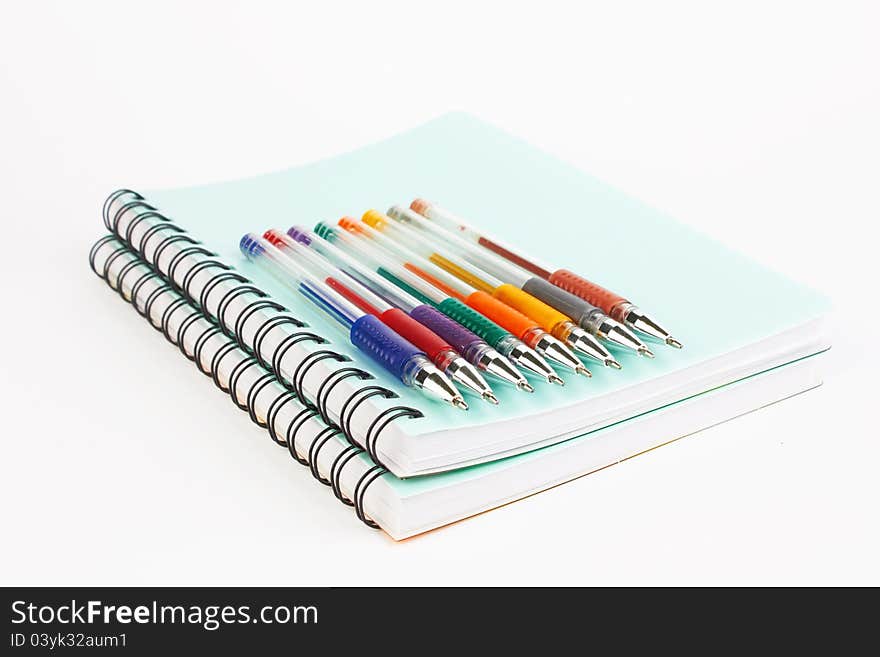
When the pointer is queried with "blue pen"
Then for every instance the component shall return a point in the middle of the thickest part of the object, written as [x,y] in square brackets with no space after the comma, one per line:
[395,354]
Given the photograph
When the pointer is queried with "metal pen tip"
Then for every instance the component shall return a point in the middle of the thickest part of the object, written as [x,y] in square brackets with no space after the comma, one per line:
[489,397]
[639,321]
[583,370]
[586,344]
[531,361]
[622,336]
[610,362]
[558,352]
[524,385]
[646,352]
[501,368]
[554,378]
[460,371]
[435,383]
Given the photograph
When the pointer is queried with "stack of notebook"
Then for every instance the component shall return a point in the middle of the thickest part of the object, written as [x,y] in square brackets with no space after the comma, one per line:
[405,463]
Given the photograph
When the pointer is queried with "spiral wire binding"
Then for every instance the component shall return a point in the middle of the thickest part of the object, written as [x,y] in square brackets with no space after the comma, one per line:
[190,275]
[350,451]
[245,287]
[338,376]
[336,471]
[143,211]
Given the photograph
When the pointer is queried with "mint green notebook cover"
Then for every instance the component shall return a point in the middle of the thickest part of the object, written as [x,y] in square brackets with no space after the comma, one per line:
[699,288]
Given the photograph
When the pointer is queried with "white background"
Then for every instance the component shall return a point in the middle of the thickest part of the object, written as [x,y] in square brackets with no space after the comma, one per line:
[121,465]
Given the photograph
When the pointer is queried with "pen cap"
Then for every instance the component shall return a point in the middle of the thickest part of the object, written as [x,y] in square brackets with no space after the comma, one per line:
[264,252]
[375,219]
[250,246]
[421,206]
[404,214]
[353,239]
[383,345]
[273,236]
[379,226]
[426,214]
[351,225]
[437,214]
[325,230]
[299,235]
[299,252]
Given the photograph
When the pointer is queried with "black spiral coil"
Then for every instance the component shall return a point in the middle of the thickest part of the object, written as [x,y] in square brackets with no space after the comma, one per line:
[182,303]
[289,439]
[142,210]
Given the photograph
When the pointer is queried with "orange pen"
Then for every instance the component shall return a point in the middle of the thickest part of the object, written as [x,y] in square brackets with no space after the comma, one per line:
[617,307]
[547,317]
[386,265]
[480,299]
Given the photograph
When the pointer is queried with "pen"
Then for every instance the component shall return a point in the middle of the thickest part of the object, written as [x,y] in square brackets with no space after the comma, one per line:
[476,350]
[383,263]
[498,312]
[585,314]
[550,319]
[437,349]
[615,305]
[495,311]
[395,354]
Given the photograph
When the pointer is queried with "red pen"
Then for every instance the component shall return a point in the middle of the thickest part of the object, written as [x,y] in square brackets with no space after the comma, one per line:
[616,306]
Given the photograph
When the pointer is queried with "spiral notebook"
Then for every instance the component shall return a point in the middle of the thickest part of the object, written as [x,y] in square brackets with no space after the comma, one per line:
[349,423]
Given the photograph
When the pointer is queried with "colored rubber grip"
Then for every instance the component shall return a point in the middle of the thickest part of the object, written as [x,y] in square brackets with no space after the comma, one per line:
[417,333]
[474,321]
[462,339]
[581,287]
[546,316]
[500,313]
[382,344]
[580,310]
